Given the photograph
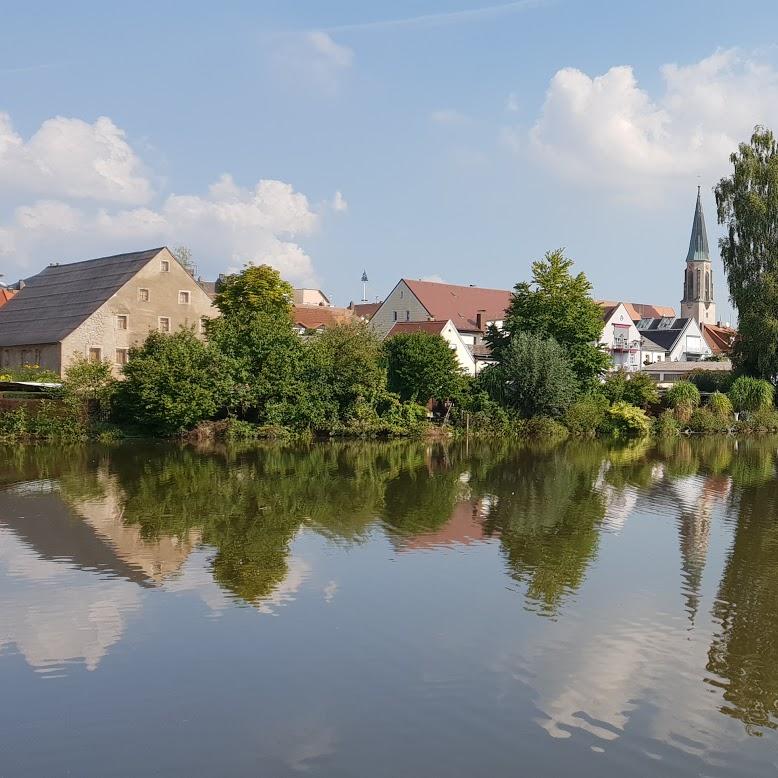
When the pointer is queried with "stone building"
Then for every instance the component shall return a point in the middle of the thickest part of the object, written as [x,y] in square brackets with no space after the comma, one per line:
[698,301]
[98,309]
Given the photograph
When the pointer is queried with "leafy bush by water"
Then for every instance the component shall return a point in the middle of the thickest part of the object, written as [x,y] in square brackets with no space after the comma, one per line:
[625,420]
[682,394]
[585,416]
[751,394]
[720,405]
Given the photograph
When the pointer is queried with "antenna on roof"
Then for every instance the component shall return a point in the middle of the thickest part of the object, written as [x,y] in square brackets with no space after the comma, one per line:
[364,286]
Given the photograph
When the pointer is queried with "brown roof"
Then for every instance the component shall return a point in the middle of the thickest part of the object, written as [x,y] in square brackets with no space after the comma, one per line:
[719,338]
[314,317]
[460,303]
[638,311]
[365,310]
[5,295]
[435,327]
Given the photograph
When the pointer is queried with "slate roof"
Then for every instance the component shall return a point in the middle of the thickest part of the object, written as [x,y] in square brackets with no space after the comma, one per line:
[698,243]
[460,304]
[60,298]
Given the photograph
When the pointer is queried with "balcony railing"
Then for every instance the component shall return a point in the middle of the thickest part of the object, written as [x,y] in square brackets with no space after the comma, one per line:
[625,344]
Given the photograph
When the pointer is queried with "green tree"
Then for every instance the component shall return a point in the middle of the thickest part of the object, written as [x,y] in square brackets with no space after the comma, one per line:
[421,366]
[634,388]
[257,289]
[266,362]
[557,304]
[347,365]
[534,376]
[172,382]
[747,205]
[751,394]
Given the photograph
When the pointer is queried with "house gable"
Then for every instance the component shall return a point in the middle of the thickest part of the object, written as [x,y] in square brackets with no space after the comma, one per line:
[153,298]
[401,304]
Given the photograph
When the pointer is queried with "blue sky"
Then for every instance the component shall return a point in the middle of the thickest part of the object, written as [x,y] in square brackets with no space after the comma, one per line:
[449,139]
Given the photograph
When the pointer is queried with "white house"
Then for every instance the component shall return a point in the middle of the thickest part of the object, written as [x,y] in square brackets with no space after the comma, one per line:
[470,309]
[681,339]
[620,338]
[447,331]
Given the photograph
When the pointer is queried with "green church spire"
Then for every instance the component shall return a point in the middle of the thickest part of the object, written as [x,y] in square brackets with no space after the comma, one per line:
[698,244]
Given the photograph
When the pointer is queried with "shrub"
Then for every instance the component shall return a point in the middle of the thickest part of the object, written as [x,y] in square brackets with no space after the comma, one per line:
[586,415]
[683,393]
[720,405]
[422,366]
[764,420]
[704,420]
[543,427]
[751,394]
[625,420]
[711,380]
[534,378]
[172,382]
[667,425]
[634,388]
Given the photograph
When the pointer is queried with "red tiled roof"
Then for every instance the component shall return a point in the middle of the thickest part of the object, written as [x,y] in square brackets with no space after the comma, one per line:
[365,310]
[434,327]
[639,311]
[5,295]
[314,317]
[720,339]
[460,303]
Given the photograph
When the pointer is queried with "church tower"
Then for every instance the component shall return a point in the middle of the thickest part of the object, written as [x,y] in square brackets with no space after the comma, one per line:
[697,300]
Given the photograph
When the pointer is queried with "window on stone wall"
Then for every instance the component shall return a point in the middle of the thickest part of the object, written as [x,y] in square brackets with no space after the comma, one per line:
[37,356]
[183,298]
[143,295]
[122,354]
[164,324]
[203,324]
[122,321]
[164,265]
[407,316]
[95,354]
[394,315]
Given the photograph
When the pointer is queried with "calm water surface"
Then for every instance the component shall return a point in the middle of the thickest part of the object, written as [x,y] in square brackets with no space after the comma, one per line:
[390,610]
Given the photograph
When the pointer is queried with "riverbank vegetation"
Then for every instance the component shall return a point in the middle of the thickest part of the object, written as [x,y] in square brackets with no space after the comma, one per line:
[253,376]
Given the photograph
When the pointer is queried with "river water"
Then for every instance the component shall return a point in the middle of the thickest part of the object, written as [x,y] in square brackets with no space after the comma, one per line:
[394,609]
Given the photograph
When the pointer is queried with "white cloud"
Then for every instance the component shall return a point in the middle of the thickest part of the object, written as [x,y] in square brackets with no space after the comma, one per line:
[512,103]
[312,58]
[225,228]
[339,203]
[74,159]
[606,131]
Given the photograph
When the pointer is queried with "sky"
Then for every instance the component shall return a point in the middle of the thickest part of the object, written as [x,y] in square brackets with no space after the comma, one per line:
[453,140]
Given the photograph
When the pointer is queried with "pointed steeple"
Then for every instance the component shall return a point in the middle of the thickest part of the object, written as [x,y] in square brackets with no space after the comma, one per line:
[698,244]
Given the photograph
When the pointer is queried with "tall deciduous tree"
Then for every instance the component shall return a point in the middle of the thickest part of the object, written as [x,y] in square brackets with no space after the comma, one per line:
[534,376]
[747,205]
[422,366]
[557,304]
[257,289]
